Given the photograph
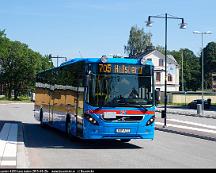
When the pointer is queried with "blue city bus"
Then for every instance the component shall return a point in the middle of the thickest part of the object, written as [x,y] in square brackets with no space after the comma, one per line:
[98,98]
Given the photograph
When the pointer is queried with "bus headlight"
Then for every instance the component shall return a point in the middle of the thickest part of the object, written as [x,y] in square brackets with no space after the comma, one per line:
[91,119]
[150,121]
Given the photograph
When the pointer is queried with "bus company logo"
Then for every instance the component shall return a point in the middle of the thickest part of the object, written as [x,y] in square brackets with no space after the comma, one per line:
[123,112]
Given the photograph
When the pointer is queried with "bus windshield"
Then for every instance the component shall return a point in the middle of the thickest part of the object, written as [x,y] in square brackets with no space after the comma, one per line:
[120,90]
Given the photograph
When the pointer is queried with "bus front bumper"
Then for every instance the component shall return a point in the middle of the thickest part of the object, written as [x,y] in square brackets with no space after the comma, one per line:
[119,131]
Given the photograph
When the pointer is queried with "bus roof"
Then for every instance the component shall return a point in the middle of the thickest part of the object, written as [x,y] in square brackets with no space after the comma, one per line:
[109,60]
[98,60]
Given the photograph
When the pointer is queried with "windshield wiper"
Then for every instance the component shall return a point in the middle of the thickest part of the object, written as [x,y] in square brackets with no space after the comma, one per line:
[115,103]
[142,106]
[106,104]
[137,104]
[123,102]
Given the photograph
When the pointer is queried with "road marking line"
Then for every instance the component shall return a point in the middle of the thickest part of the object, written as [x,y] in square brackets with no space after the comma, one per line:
[9,148]
[188,128]
[3,138]
[8,163]
[191,123]
[5,104]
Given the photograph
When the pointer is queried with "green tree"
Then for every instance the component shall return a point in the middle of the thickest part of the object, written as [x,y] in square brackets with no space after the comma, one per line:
[161,49]
[138,41]
[209,63]
[191,69]
[19,65]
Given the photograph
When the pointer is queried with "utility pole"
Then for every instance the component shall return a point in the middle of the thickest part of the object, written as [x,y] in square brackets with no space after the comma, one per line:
[57,57]
[202,34]
[182,70]
[182,26]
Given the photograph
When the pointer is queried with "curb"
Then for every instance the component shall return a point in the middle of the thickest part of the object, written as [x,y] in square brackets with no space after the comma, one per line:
[22,160]
[11,103]
[193,115]
[9,136]
[186,133]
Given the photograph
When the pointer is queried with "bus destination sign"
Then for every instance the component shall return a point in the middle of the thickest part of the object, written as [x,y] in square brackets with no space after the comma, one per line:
[120,68]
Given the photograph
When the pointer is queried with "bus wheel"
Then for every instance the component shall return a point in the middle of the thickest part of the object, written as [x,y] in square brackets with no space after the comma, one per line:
[125,140]
[68,128]
[41,118]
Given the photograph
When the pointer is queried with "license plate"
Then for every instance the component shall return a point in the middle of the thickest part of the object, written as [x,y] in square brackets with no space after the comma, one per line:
[110,115]
[122,130]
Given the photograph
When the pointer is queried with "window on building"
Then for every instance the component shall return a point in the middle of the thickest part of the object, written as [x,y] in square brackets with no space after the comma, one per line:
[158,76]
[170,78]
[161,62]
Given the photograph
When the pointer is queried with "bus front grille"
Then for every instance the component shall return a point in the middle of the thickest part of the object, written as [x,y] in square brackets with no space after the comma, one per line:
[124,119]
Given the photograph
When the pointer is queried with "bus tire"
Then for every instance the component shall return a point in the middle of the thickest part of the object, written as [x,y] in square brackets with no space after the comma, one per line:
[125,140]
[41,118]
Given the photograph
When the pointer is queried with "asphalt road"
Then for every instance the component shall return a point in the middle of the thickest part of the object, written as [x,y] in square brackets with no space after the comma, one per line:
[48,148]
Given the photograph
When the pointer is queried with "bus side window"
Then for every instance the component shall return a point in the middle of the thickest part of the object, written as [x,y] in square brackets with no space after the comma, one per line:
[75,87]
[80,96]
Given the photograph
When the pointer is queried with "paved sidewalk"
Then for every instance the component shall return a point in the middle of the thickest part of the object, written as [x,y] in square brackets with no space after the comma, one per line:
[210,113]
[188,124]
[12,151]
[8,145]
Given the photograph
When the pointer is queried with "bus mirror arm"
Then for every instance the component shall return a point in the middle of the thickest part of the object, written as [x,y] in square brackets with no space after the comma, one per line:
[87,80]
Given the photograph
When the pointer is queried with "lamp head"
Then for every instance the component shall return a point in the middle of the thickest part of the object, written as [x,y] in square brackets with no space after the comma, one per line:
[183,24]
[149,22]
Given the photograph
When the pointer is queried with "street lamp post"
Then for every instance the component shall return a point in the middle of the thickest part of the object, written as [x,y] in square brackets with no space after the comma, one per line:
[182,26]
[202,34]
[56,57]
[182,55]
[182,70]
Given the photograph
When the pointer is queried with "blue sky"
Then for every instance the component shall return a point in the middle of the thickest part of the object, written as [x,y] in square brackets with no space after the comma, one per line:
[91,28]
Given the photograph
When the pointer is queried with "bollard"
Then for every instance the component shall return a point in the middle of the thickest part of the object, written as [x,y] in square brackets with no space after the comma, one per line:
[199,109]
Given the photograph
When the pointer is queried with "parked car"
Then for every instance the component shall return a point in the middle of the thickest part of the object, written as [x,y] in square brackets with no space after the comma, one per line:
[193,104]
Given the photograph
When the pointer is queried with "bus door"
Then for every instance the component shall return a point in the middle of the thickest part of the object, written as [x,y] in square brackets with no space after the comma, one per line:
[74,107]
[42,100]
[58,108]
[50,99]
[79,111]
[51,104]
[71,107]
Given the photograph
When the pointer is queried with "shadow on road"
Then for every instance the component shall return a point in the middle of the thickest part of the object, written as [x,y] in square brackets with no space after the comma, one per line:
[19,134]
[36,136]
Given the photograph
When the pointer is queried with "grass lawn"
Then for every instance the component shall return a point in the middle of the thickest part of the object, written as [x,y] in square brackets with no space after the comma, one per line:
[21,99]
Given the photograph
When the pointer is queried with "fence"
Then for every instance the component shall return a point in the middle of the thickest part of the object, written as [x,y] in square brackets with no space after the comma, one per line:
[186,97]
